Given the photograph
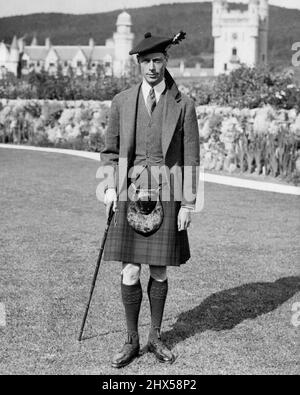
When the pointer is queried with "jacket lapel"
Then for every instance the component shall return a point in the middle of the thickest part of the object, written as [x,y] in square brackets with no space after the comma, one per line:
[130,110]
[171,114]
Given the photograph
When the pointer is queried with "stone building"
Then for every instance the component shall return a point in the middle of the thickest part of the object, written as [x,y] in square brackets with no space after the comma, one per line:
[241,37]
[113,56]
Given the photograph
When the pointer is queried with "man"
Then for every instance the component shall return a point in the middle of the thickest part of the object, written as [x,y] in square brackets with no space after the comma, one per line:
[151,125]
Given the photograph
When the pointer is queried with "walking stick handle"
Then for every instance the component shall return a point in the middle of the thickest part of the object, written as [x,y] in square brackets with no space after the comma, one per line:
[109,219]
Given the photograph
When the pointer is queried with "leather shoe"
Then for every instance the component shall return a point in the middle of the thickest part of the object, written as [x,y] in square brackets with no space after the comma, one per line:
[161,352]
[128,353]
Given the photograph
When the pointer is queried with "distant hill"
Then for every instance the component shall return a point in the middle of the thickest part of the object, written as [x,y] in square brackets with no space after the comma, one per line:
[165,19]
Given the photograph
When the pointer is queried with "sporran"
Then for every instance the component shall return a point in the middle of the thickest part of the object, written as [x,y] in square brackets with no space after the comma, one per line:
[145,211]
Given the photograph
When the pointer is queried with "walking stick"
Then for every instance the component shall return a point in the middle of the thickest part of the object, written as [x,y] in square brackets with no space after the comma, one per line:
[109,219]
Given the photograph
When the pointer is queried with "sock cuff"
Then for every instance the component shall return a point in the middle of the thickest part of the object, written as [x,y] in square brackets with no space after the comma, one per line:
[157,289]
[132,294]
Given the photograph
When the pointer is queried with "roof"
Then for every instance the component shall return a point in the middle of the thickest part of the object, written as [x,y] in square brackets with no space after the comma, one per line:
[36,53]
[68,52]
[3,46]
[99,53]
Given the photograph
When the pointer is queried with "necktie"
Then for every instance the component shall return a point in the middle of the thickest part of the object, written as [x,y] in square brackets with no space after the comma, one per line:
[151,101]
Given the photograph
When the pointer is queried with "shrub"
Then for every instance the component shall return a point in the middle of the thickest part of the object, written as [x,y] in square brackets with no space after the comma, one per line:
[249,88]
[63,86]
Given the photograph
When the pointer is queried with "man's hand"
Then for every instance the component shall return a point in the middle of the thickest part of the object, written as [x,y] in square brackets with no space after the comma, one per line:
[184,218]
[110,199]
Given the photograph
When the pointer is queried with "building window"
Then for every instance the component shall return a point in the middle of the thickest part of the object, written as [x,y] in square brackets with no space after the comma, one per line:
[38,64]
[51,64]
[263,57]
[24,63]
[79,63]
[234,51]
[66,64]
[225,67]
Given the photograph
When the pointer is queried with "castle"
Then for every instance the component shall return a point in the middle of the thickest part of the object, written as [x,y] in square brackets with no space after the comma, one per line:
[240,36]
[113,56]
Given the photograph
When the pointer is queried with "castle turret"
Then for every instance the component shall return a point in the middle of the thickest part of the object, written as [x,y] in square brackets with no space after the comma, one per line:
[264,10]
[14,56]
[263,31]
[34,41]
[253,9]
[123,40]
[91,43]
[21,44]
[48,43]
[218,7]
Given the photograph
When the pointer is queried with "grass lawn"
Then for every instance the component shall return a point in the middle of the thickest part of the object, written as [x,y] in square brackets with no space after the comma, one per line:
[229,309]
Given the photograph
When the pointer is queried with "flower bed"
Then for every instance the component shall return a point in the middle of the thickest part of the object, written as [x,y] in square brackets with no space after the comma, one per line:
[63,124]
[261,140]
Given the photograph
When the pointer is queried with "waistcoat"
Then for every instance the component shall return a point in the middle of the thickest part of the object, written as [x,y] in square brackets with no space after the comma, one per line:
[148,146]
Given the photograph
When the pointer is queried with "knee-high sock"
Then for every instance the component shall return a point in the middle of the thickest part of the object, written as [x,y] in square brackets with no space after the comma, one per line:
[157,293]
[132,296]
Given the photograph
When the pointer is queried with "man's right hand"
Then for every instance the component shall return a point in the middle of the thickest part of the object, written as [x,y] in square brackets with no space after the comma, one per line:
[110,199]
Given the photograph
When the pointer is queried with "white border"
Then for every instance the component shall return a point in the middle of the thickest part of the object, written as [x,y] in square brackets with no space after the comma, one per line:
[213,178]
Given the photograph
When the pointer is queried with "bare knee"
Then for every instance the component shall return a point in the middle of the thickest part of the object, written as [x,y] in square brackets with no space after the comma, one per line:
[131,273]
[158,273]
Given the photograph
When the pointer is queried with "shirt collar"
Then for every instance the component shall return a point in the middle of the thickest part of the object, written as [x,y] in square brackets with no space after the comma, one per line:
[158,89]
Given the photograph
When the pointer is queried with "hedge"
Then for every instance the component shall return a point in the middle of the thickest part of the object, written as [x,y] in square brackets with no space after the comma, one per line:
[265,141]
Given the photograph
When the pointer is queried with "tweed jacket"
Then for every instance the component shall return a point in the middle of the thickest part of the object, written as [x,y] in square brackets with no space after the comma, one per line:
[180,135]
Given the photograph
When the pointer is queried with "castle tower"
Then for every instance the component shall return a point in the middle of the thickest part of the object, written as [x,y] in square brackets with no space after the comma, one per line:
[263,32]
[123,42]
[219,8]
[240,36]
[253,32]
[14,56]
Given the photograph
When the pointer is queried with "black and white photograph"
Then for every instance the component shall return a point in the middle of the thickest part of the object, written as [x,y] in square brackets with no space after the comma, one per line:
[149,190]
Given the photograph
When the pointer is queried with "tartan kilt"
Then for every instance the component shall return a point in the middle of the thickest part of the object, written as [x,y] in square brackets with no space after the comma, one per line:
[166,247]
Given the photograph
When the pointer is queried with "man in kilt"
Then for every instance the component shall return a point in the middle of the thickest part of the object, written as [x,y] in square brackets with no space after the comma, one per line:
[151,125]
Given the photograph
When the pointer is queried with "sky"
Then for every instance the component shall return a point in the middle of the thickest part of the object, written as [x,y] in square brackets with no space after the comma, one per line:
[21,7]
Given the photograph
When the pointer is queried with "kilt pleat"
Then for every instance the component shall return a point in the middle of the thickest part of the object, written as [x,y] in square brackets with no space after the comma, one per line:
[166,247]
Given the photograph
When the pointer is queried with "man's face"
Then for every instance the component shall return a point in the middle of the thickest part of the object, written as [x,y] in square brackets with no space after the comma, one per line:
[153,67]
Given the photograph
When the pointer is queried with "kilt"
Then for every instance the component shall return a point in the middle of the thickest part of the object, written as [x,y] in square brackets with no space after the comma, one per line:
[166,247]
